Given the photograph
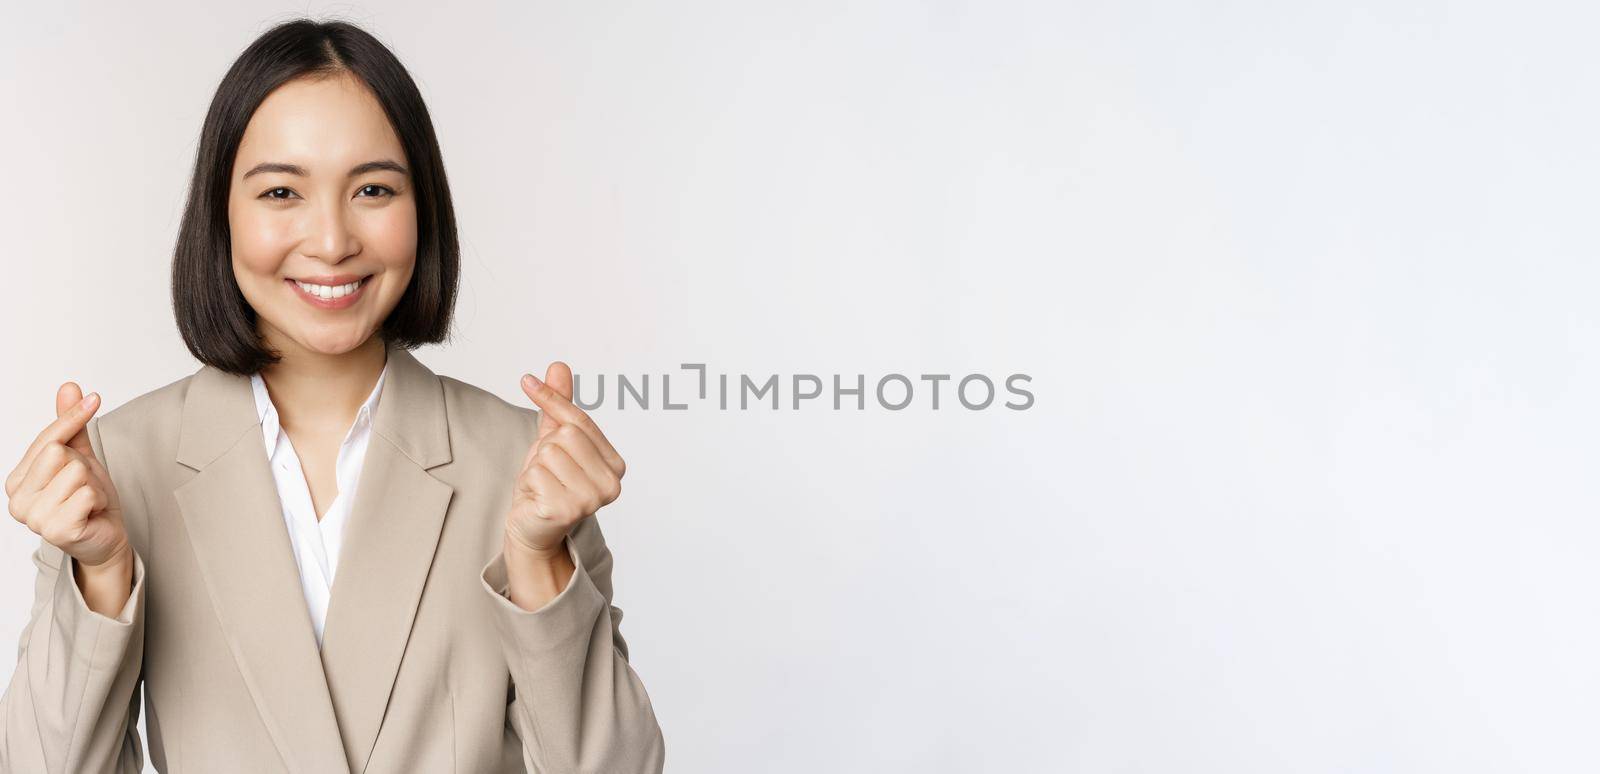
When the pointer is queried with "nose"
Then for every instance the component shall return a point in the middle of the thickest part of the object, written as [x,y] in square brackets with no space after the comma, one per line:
[329,239]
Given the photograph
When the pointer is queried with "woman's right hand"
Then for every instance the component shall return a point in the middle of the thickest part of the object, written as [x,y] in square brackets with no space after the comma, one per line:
[63,493]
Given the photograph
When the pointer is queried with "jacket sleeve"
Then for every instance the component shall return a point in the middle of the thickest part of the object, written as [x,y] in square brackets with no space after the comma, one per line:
[577,706]
[73,701]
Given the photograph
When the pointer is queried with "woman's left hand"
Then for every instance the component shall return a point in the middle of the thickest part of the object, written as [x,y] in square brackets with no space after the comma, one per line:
[570,472]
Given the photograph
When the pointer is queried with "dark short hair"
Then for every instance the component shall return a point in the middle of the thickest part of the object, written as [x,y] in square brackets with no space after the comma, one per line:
[217,324]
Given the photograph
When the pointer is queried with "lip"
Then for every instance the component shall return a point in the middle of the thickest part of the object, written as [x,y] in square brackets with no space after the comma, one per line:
[332,279]
[335,279]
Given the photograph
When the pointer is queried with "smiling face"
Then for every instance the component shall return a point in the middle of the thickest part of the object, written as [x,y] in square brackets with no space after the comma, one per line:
[322,216]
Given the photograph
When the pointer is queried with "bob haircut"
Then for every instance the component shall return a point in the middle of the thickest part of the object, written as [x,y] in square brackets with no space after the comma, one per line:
[217,324]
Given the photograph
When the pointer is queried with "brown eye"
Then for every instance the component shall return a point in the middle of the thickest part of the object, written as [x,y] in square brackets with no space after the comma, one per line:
[272,194]
[377,190]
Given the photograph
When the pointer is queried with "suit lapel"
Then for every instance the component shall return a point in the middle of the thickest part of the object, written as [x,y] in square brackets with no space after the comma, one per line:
[323,711]
[233,517]
[388,549]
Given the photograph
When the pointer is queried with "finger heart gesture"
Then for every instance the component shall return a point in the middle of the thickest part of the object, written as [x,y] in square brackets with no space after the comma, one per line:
[61,490]
[570,472]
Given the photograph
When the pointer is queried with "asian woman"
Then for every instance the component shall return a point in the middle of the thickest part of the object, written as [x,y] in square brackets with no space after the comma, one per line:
[314,554]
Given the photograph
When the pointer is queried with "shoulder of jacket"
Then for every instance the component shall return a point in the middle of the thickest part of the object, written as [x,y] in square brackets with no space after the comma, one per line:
[480,408]
[145,427]
[160,407]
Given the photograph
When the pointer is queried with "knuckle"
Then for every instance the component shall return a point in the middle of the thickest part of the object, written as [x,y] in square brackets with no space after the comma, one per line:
[70,476]
[54,451]
[23,499]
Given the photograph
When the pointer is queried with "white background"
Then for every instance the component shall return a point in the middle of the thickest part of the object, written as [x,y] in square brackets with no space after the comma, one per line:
[1306,291]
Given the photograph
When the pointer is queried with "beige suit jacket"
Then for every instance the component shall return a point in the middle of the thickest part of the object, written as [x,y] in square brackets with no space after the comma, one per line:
[425,666]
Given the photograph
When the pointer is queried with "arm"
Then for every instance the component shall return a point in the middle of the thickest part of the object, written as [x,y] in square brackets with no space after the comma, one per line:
[73,701]
[578,706]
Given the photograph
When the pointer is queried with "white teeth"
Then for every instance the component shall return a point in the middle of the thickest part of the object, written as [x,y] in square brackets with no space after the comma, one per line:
[329,291]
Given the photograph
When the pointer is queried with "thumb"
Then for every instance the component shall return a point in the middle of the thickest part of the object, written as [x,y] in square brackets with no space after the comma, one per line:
[559,377]
[67,399]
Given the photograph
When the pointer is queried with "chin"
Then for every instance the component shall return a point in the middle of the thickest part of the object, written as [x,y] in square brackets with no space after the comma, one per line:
[334,343]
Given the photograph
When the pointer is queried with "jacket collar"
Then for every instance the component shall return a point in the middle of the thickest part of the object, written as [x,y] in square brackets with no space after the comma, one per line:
[410,413]
[272,427]
[323,709]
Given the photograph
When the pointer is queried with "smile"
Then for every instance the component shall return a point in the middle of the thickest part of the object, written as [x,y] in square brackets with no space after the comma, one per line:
[331,292]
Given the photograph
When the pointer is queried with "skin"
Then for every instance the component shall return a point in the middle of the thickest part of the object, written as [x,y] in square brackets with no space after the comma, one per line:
[323,220]
[288,226]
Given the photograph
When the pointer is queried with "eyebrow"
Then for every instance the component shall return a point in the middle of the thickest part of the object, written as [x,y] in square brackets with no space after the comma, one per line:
[359,169]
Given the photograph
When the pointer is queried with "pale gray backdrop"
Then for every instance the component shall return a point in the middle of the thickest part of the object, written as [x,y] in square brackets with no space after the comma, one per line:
[1306,290]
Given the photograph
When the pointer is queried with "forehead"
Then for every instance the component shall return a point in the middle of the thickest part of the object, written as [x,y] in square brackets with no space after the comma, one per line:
[324,124]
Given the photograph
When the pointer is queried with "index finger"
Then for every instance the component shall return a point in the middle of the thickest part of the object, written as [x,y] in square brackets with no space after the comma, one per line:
[60,431]
[557,405]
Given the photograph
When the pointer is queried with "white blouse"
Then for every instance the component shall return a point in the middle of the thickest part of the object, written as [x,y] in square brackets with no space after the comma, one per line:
[315,543]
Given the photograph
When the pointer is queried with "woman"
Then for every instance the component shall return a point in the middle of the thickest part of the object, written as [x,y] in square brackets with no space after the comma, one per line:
[189,539]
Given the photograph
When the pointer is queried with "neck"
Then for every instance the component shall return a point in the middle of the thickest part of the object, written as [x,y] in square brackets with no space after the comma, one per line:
[320,390]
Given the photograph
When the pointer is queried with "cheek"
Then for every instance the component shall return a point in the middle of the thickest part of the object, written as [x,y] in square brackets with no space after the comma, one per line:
[259,246]
[392,241]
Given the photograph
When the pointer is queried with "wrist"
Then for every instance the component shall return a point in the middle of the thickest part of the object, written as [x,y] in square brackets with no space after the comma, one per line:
[121,559]
[519,551]
[106,586]
[535,576]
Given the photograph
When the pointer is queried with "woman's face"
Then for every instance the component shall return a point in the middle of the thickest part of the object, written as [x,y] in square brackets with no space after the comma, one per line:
[322,216]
